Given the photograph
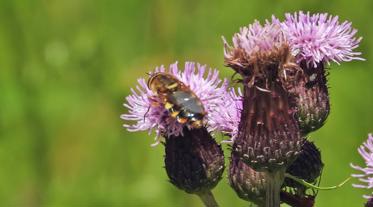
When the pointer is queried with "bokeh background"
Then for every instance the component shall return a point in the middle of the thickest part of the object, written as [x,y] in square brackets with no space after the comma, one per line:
[67,66]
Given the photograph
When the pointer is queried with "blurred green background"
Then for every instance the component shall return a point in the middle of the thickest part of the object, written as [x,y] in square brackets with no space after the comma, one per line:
[66,67]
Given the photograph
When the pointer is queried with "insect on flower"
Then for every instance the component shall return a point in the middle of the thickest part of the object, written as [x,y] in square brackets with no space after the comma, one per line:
[181,102]
[147,111]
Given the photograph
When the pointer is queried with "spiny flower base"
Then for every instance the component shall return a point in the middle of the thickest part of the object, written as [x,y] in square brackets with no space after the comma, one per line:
[308,167]
[269,138]
[249,184]
[311,98]
[194,161]
[297,200]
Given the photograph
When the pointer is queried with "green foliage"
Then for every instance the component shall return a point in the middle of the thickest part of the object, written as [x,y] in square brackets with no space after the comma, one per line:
[66,66]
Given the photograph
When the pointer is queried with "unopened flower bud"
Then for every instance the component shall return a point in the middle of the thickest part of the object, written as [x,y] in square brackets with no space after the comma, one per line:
[308,167]
[194,161]
[249,184]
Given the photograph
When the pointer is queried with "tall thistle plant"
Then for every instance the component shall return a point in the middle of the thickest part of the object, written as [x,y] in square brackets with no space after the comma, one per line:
[283,97]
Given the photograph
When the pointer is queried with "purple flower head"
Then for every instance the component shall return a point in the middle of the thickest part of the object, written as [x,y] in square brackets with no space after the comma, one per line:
[255,38]
[148,111]
[366,151]
[320,38]
[226,116]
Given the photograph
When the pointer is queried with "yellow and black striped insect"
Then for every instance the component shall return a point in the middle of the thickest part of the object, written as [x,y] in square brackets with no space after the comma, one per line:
[178,99]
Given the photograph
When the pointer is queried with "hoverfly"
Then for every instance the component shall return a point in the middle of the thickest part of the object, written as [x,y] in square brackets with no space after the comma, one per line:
[181,102]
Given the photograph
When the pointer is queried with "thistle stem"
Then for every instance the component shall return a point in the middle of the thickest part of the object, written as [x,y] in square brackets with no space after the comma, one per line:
[208,198]
[274,181]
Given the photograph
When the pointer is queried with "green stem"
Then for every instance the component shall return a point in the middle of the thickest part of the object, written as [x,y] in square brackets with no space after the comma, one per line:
[208,198]
[314,186]
[274,181]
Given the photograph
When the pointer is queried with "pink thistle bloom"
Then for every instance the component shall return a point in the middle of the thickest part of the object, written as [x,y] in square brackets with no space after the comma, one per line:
[148,112]
[256,38]
[226,116]
[320,38]
[366,177]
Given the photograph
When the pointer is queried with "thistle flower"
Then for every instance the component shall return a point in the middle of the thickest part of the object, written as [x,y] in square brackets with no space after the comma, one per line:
[320,38]
[225,117]
[315,40]
[149,113]
[255,38]
[268,136]
[194,161]
[366,151]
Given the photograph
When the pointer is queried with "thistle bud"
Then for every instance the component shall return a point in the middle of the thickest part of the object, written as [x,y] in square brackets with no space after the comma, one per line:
[249,184]
[308,166]
[194,161]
